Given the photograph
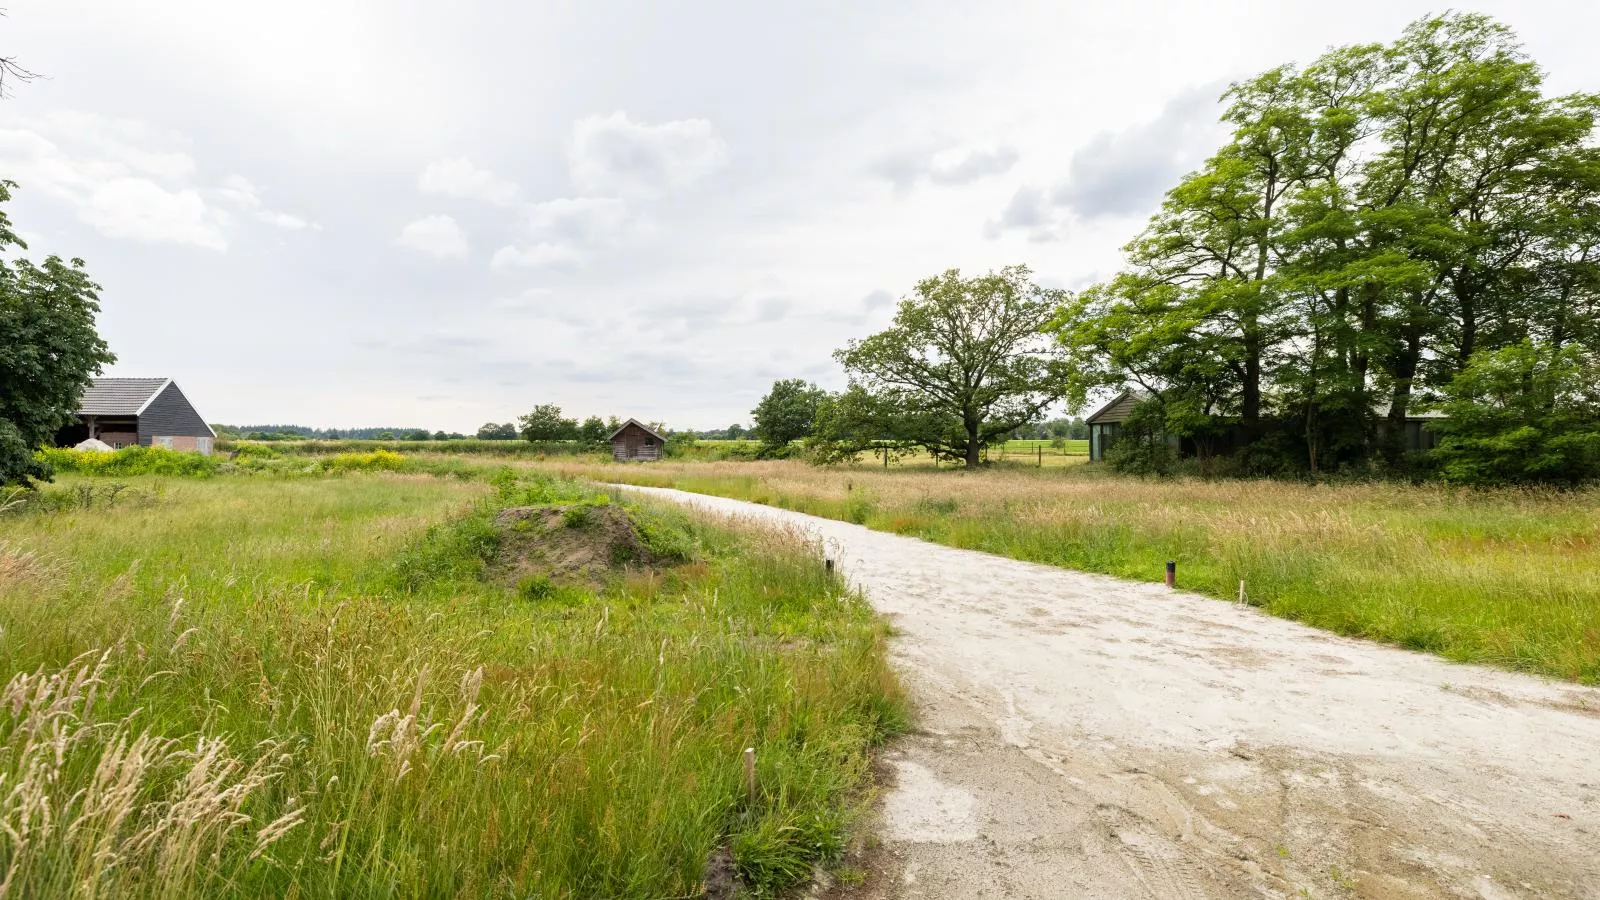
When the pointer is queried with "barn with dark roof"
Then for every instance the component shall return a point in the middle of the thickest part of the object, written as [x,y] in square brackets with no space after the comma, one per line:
[148,412]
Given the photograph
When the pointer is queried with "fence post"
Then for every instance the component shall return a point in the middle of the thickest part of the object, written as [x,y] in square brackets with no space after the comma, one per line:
[1172,573]
[750,772]
[1040,448]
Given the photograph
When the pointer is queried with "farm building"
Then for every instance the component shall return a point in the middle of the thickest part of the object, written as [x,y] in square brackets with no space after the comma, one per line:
[1105,424]
[636,442]
[148,412]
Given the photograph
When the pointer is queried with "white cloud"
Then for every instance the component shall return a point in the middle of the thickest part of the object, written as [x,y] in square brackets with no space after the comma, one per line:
[460,179]
[544,255]
[436,236]
[240,193]
[526,301]
[139,209]
[128,181]
[567,231]
[616,156]
[948,168]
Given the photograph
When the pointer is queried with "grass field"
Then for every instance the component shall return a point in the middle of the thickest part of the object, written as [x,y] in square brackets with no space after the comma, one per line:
[1510,578]
[305,686]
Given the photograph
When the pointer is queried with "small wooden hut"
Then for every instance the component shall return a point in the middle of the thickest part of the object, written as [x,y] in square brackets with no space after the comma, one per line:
[636,442]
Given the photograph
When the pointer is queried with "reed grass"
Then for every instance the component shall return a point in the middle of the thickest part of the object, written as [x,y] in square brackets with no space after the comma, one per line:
[1505,577]
[241,689]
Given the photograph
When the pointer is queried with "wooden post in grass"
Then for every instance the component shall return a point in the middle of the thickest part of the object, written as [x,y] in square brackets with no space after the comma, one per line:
[1241,590]
[750,772]
[1040,448]
[827,563]
[1172,573]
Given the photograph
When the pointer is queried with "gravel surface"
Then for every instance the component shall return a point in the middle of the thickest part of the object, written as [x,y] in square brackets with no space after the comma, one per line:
[1082,736]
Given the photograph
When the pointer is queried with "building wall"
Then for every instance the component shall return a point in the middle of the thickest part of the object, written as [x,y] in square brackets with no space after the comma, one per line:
[170,415]
[633,443]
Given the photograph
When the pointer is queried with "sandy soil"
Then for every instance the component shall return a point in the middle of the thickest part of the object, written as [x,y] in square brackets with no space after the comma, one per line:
[1081,736]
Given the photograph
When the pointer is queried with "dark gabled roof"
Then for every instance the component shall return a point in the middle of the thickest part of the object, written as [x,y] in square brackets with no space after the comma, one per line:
[1113,404]
[647,428]
[120,396]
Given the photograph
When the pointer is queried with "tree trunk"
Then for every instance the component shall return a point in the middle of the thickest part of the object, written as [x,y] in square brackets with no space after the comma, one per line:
[973,457]
[1405,372]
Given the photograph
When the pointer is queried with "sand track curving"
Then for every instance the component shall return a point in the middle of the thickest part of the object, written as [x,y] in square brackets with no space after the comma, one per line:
[1081,736]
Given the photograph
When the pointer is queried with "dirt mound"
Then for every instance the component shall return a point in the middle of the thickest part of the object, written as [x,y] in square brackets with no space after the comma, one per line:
[578,545]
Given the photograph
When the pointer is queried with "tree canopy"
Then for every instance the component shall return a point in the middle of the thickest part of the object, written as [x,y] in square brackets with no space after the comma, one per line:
[787,413]
[1378,219]
[965,362]
[49,350]
[545,423]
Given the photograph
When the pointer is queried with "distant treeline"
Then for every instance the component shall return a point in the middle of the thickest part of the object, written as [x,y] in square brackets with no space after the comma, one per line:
[302,432]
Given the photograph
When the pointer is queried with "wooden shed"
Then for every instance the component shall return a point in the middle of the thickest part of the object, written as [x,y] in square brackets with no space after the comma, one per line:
[1105,423]
[636,442]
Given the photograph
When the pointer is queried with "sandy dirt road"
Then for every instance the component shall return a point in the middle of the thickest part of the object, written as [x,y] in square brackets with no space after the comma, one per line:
[1082,736]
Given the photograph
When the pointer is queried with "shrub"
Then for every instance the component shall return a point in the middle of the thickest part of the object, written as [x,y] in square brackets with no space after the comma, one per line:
[1525,414]
[1142,448]
[129,461]
[374,461]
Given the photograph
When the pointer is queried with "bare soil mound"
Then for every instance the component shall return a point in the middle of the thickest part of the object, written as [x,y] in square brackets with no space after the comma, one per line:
[577,545]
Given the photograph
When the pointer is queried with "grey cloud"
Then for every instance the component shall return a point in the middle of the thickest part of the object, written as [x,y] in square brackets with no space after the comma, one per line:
[950,167]
[1126,172]
[969,166]
[771,309]
[1028,210]
[616,156]
[877,300]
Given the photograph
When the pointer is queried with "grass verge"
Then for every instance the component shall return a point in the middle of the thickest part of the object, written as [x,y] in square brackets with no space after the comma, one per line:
[303,687]
[1510,578]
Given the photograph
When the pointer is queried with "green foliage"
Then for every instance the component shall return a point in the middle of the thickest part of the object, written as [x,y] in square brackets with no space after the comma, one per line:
[966,361]
[545,423]
[1524,414]
[129,461]
[49,350]
[1142,446]
[372,461]
[594,430]
[1377,219]
[278,691]
[497,432]
[1507,577]
[788,412]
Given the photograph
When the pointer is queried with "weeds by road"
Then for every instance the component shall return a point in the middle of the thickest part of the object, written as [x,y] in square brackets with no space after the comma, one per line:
[273,686]
[1509,577]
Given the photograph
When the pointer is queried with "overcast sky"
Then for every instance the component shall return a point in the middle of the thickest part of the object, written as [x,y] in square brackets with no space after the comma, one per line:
[353,212]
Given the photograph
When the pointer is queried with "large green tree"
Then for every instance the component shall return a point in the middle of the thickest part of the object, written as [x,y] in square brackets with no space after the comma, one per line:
[545,423]
[1376,219]
[788,412]
[966,360]
[49,350]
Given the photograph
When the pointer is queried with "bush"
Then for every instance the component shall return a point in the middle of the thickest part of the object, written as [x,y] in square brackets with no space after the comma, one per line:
[1141,447]
[129,461]
[1525,414]
[375,461]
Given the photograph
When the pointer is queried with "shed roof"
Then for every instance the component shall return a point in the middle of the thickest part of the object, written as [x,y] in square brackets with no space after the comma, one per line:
[1116,409]
[120,396]
[648,430]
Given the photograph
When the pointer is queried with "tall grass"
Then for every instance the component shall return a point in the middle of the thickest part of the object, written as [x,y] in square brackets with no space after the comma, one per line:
[230,692]
[1510,577]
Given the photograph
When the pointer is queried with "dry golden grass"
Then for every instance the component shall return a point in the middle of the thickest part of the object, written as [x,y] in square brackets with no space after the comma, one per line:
[1506,577]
